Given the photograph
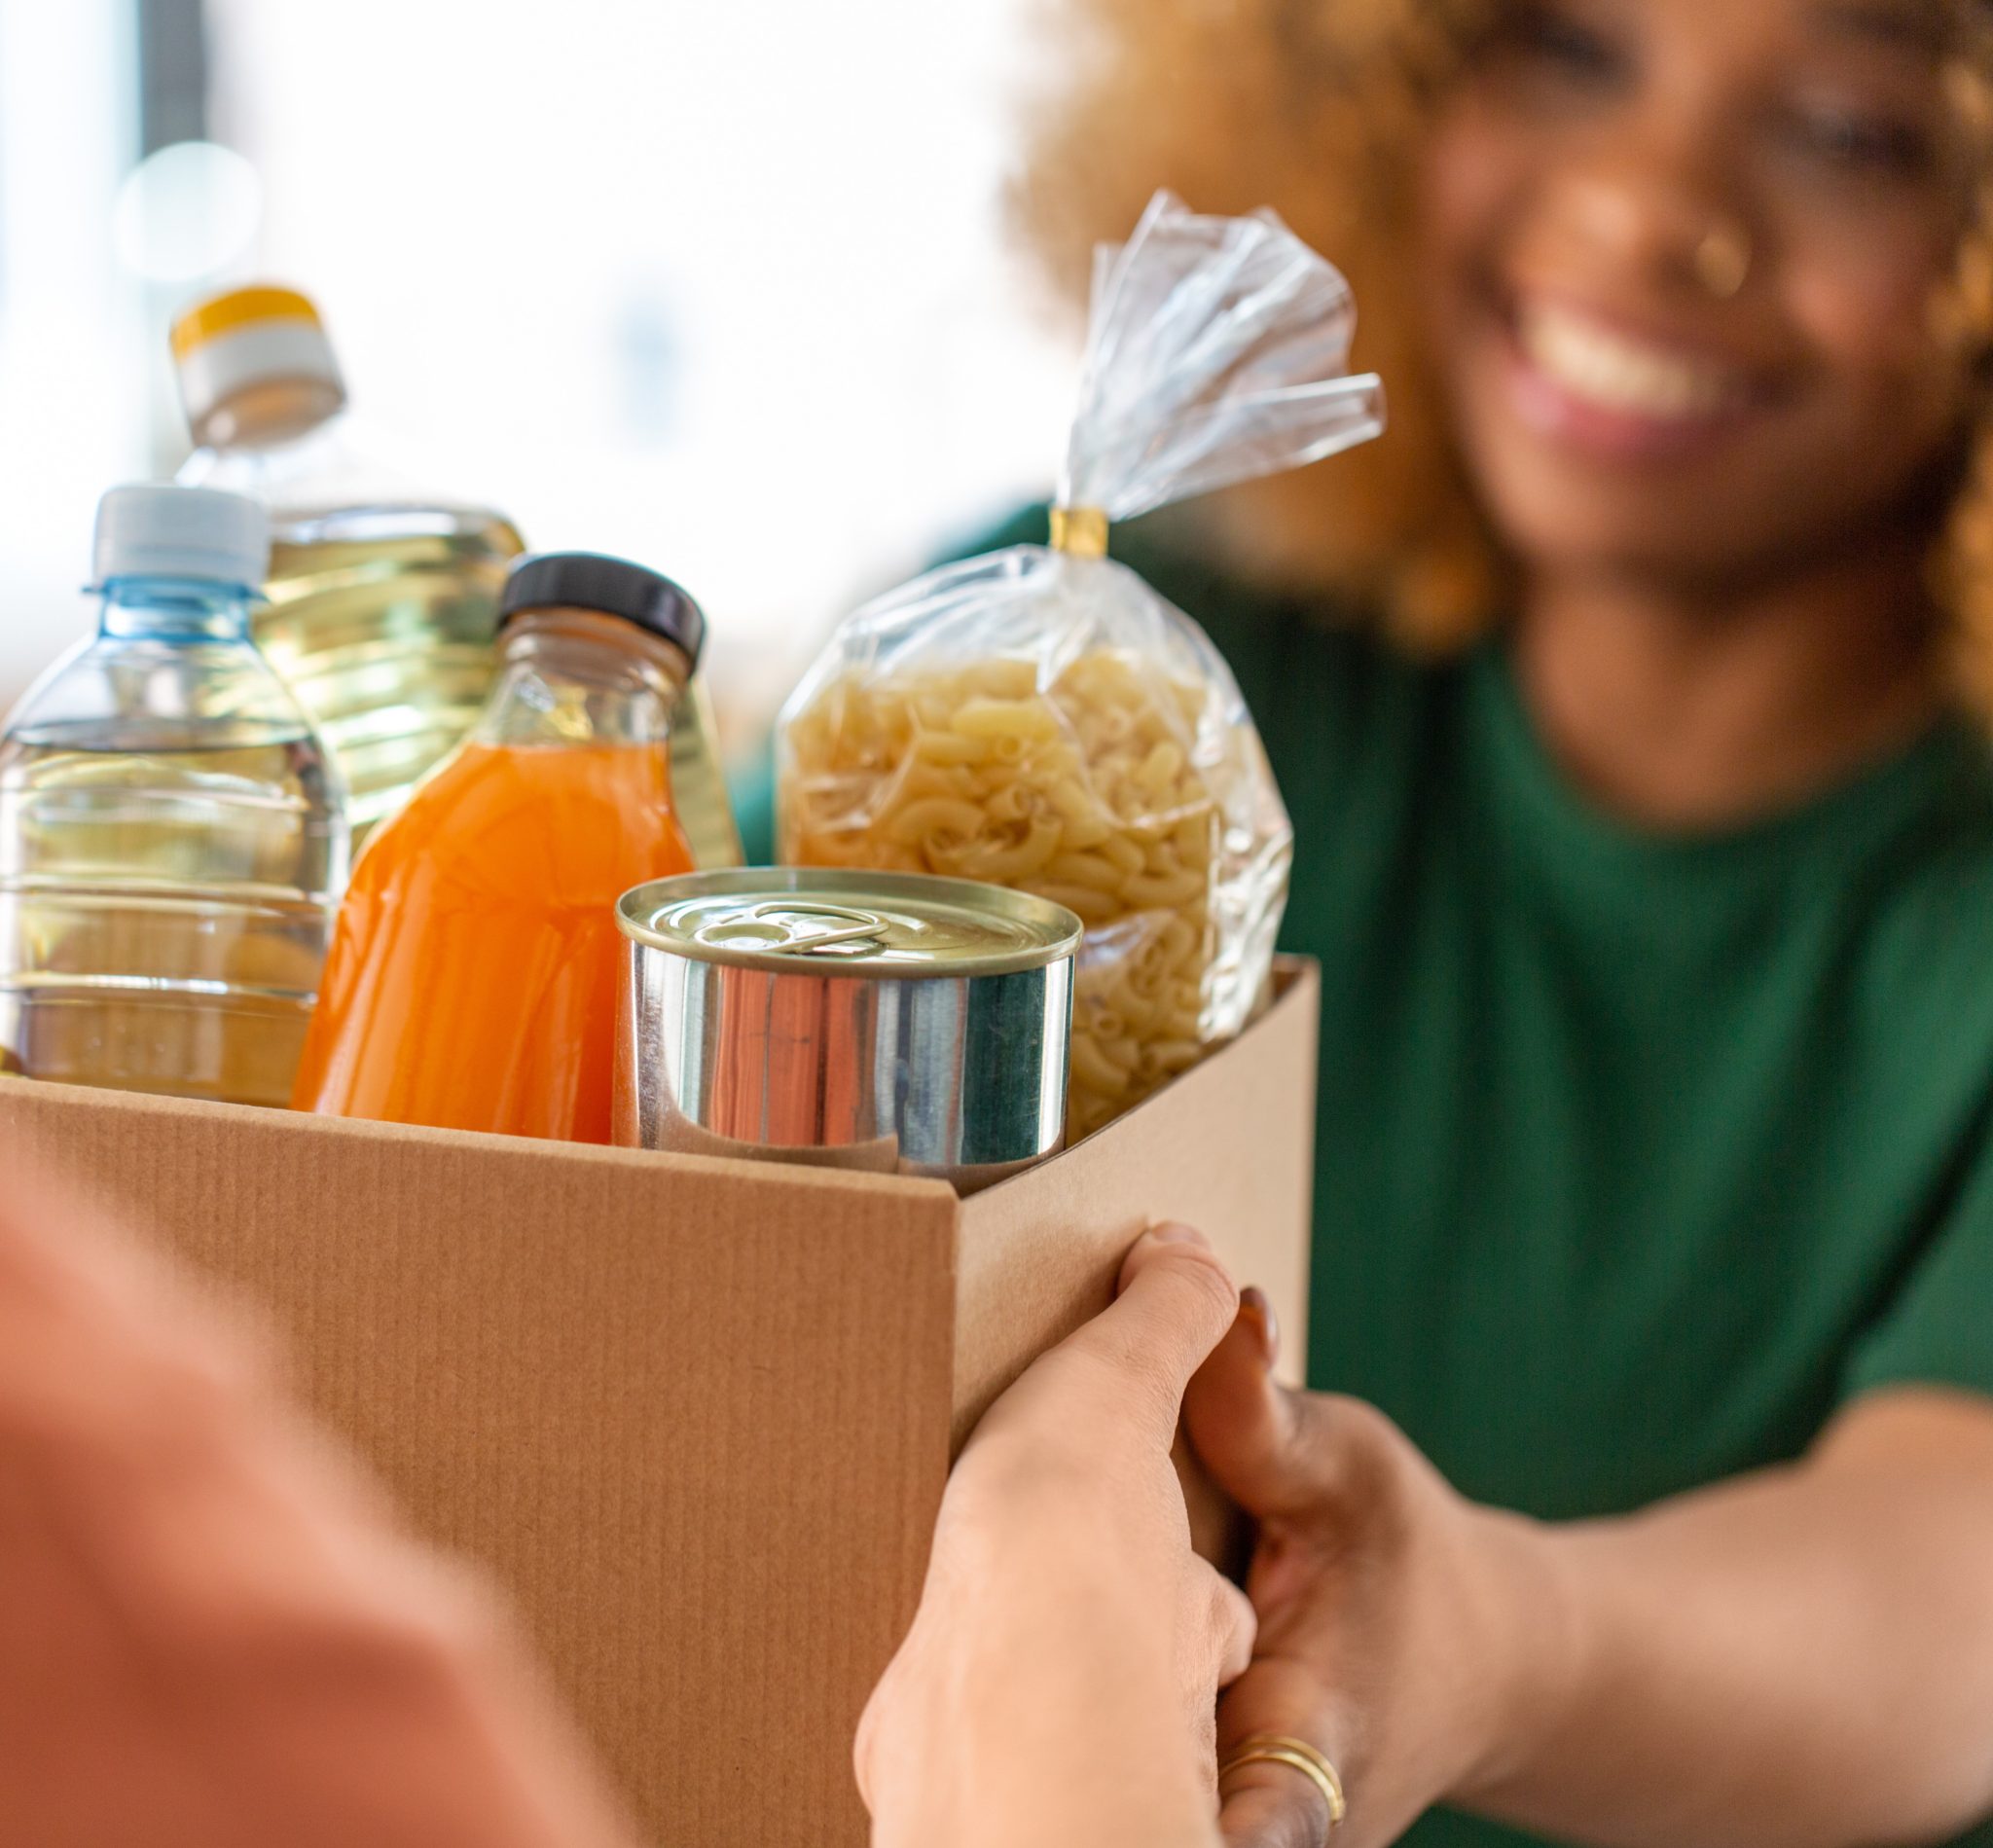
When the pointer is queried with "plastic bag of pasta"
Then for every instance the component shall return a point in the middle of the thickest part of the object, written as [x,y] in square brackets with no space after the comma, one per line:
[1042,719]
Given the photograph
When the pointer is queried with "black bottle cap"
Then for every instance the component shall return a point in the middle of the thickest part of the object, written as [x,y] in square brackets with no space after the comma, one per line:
[586,580]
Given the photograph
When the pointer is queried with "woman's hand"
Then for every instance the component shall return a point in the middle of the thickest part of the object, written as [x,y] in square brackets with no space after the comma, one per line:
[1391,1610]
[1801,1657]
[1059,1682]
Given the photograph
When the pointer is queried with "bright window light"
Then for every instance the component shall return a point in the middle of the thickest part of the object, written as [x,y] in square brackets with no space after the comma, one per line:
[187,213]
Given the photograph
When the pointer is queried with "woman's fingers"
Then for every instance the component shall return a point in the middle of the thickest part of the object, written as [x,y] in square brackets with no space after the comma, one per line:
[1237,1625]
[1243,1426]
[1274,1805]
[1274,1452]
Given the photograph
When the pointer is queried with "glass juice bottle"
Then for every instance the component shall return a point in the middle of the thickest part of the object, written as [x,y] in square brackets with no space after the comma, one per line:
[474,973]
[173,844]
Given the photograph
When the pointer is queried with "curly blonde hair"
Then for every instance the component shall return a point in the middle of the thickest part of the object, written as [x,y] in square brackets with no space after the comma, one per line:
[1315,106]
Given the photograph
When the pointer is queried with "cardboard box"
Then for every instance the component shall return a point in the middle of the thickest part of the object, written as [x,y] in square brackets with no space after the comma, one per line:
[695,1415]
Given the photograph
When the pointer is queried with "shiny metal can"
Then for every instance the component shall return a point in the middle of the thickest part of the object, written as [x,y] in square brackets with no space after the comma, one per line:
[875,1021]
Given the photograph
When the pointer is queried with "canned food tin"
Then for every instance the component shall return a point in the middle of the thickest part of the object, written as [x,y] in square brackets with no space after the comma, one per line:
[875,1021]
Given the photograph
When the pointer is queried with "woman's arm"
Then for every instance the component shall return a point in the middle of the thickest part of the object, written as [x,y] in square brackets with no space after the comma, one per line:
[1057,1685]
[1801,1658]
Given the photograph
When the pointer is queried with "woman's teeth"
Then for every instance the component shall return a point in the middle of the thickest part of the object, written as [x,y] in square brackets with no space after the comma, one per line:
[1618,372]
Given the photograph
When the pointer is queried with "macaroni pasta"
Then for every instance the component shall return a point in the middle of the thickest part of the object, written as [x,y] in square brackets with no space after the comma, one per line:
[1090,791]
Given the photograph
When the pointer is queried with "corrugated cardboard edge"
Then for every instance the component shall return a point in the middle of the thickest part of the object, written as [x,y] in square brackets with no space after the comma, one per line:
[24,1097]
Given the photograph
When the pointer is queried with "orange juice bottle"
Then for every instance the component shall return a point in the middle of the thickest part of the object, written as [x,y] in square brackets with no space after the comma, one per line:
[473,975]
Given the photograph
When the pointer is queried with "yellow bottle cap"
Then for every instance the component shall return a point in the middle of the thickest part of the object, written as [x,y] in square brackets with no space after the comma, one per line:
[249,338]
[239,308]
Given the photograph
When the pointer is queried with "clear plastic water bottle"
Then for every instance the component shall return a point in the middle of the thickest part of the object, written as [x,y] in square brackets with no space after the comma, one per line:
[172,837]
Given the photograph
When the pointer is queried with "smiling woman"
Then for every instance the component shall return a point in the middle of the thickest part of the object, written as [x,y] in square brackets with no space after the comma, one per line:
[1799,418]
[1630,699]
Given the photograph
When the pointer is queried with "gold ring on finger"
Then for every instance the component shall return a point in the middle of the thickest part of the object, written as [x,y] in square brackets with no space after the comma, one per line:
[1298,1756]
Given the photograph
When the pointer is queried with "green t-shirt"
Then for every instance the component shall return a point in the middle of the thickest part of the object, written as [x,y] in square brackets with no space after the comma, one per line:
[1638,1154]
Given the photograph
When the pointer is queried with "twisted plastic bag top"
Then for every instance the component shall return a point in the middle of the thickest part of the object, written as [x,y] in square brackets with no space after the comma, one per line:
[1217,352]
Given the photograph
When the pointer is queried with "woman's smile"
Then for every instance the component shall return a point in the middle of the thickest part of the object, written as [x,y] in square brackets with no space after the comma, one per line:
[1593,385]
[1680,306]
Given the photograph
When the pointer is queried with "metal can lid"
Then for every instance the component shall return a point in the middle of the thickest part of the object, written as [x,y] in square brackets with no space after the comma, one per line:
[805,920]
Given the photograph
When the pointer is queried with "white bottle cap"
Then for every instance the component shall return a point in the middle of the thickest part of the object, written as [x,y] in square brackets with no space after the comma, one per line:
[155,530]
[251,337]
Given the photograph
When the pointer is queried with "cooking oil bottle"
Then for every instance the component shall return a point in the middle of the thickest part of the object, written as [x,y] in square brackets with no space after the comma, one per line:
[173,842]
[699,784]
[382,598]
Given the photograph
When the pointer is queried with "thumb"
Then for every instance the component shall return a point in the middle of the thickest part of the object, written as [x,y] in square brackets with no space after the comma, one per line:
[1274,1452]
[1174,1301]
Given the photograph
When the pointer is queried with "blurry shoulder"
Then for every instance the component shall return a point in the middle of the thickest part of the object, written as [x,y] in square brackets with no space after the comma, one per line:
[1925,902]
[1943,867]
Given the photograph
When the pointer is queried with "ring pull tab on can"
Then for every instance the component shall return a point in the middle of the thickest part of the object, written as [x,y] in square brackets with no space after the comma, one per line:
[766,928]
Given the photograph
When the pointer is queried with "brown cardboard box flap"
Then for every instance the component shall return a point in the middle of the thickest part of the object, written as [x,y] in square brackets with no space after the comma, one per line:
[1228,1148]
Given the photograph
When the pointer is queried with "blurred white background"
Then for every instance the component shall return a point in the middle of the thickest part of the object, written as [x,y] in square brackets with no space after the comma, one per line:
[716,284]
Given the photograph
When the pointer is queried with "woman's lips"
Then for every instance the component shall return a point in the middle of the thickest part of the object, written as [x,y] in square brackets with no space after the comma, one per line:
[1614,394]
